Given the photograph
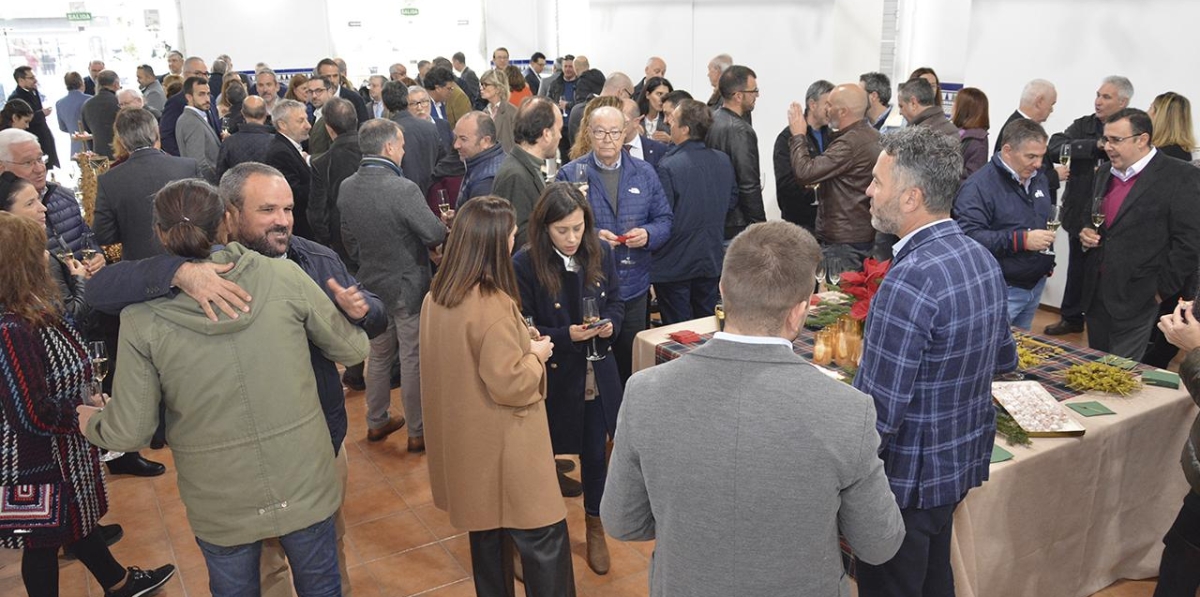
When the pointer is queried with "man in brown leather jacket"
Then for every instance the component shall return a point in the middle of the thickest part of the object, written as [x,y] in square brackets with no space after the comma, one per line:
[843,172]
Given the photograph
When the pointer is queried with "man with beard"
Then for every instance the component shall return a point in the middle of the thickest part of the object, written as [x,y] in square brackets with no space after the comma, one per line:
[259,204]
[732,133]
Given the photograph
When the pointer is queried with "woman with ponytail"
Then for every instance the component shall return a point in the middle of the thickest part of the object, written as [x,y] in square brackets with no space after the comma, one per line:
[242,415]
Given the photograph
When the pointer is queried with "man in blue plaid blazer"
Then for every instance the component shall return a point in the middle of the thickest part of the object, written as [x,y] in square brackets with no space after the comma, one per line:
[936,334]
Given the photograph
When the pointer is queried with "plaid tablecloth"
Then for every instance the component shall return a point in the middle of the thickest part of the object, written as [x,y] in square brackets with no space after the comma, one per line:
[1050,372]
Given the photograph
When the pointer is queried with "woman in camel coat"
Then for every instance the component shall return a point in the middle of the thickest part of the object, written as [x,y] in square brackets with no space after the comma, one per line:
[491,467]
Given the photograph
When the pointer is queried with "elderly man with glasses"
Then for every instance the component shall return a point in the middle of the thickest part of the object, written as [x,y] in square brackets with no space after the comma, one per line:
[632,215]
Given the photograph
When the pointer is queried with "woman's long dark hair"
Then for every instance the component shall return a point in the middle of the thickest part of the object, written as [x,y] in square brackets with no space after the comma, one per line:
[558,201]
[477,253]
[188,214]
[643,99]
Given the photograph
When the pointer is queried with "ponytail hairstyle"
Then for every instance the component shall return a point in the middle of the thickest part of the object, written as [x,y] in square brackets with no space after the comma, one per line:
[188,215]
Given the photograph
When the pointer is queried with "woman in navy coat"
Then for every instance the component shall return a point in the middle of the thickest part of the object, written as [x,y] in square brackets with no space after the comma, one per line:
[564,263]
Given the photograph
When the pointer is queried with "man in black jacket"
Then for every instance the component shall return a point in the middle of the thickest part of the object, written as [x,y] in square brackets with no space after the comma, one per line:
[27,90]
[250,142]
[328,171]
[285,155]
[732,134]
[798,203]
[1112,96]
[1148,242]
[328,69]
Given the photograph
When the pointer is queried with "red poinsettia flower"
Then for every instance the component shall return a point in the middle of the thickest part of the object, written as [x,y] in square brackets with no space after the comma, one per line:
[863,285]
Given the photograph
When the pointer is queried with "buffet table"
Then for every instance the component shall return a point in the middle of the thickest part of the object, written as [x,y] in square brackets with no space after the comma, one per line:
[1066,516]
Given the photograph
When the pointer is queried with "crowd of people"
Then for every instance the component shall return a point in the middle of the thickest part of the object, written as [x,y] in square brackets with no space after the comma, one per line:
[492,243]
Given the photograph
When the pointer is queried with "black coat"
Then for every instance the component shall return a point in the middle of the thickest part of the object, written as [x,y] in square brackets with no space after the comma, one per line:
[38,125]
[1085,155]
[733,135]
[360,106]
[283,156]
[124,200]
[328,171]
[701,188]
[99,114]
[248,144]
[423,149]
[567,367]
[797,203]
[1151,245]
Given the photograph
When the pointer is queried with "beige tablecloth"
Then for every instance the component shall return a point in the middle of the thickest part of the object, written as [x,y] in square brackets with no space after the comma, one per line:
[1067,516]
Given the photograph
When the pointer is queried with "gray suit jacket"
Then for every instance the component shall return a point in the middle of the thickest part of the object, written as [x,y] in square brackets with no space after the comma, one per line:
[155,98]
[99,113]
[124,200]
[387,227]
[423,149]
[198,141]
[743,462]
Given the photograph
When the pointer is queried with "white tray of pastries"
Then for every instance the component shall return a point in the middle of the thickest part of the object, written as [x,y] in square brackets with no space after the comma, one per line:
[1035,410]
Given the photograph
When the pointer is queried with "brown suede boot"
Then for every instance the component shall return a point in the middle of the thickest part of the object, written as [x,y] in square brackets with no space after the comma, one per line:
[597,546]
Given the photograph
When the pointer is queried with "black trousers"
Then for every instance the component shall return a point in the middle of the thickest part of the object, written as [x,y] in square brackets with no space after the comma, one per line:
[1070,309]
[636,314]
[1123,337]
[1179,572]
[39,566]
[922,566]
[545,558]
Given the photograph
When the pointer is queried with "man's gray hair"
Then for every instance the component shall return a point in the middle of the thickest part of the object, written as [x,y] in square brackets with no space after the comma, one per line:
[233,182]
[918,89]
[284,107]
[382,79]
[127,93]
[1021,131]
[10,137]
[1124,87]
[416,89]
[266,72]
[816,90]
[926,160]
[376,133]
[721,61]
[136,128]
[1035,88]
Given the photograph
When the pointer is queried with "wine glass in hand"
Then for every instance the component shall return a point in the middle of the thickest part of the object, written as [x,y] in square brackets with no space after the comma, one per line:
[443,202]
[591,314]
[1098,213]
[1053,222]
[98,355]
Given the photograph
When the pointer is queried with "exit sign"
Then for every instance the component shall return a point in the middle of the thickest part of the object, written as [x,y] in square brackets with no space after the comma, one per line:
[79,16]
[409,12]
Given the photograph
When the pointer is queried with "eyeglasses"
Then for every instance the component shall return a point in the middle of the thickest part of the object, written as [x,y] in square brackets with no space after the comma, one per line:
[424,102]
[600,134]
[628,93]
[750,91]
[41,159]
[1106,140]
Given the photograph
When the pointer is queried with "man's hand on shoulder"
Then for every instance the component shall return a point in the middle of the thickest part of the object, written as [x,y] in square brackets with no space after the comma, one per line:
[202,282]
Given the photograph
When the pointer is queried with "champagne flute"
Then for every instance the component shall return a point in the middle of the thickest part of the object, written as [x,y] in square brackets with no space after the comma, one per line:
[443,202]
[89,249]
[1064,156]
[627,260]
[1053,221]
[591,314]
[533,333]
[835,276]
[1098,213]
[820,274]
[61,249]
[581,177]
[98,355]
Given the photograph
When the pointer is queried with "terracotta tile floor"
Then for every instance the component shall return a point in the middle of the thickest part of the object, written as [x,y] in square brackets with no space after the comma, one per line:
[397,542]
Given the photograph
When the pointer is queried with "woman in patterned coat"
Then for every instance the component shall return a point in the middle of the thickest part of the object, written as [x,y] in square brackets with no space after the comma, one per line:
[51,488]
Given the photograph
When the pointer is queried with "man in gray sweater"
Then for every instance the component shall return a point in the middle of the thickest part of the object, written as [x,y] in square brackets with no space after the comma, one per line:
[759,512]
[387,229]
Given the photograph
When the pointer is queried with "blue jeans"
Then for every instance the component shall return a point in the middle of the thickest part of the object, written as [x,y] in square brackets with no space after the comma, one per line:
[1023,304]
[311,552]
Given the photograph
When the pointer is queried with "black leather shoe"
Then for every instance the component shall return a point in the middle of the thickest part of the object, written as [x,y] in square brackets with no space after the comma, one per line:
[134,464]
[1063,327]
[564,465]
[569,487]
[140,582]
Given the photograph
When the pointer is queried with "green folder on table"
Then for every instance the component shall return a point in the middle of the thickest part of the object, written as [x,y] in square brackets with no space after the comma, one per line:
[1000,454]
[1090,409]
[1158,377]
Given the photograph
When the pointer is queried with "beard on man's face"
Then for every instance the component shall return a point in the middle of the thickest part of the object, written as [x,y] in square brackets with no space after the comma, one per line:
[267,243]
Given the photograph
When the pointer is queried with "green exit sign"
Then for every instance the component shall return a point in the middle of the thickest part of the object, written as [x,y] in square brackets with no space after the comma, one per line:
[79,16]
[409,12]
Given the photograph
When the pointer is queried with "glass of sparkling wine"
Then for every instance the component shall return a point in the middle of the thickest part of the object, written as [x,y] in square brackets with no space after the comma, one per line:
[820,274]
[443,202]
[89,249]
[1098,213]
[581,177]
[98,355]
[591,314]
[551,169]
[533,333]
[1064,156]
[62,250]
[1053,222]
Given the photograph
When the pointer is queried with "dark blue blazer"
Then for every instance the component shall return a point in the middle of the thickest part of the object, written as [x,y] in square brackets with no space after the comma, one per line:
[700,186]
[567,368]
[653,151]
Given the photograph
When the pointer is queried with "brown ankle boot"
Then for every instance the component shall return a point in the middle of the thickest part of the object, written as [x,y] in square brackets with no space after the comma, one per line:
[597,546]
